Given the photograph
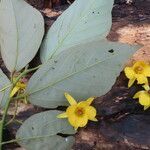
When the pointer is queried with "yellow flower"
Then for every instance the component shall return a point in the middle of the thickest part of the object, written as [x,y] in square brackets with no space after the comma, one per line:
[139,71]
[146,87]
[78,114]
[144,97]
[19,86]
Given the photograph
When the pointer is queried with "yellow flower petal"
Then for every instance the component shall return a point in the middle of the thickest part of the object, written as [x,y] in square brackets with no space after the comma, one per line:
[63,115]
[146,107]
[146,87]
[81,122]
[138,94]
[78,114]
[70,99]
[139,64]
[147,71]
[145,66]
[82,104]
[129,72]
[76,121]
[144,99]
[90,100]
[21,85]
[94,119]
[76,128]
[141,79]
[91,112]
[14,91]
[71,110]
[131,81]
[139,71]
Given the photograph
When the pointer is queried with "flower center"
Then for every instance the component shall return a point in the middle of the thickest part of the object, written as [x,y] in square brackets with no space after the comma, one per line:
[79,111]
[138,69]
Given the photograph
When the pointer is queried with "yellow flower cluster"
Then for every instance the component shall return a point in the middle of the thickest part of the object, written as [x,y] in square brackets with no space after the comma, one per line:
[78,114]
[19,86]
[140,71]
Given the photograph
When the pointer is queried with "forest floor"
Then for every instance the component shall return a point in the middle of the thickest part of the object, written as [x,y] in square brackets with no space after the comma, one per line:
[131,24]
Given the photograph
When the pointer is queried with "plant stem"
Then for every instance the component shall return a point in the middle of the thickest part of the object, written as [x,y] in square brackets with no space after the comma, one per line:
[18,121]
[20,96]
[26,71]
[33,69]
[11,120]
[9,142]
[2,122]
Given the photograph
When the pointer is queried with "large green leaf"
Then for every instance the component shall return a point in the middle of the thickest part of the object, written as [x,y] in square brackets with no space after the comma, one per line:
[83,71]
[21,32]
[40,132]
[5,86]
[83,21]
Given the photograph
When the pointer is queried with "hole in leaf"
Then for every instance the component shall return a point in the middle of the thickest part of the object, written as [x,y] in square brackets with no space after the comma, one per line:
[111,51]
[64,135]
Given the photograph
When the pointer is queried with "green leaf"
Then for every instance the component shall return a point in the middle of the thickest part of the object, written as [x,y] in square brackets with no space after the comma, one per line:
[5,86]
[0,125]
[40,132]
[21,32]
[83,71]
[82,22]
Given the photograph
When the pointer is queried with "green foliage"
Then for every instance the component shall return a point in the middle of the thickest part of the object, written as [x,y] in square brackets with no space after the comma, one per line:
[82,71]
[83,22]
[21,32]
[5,86]
[41,131]
[76,58]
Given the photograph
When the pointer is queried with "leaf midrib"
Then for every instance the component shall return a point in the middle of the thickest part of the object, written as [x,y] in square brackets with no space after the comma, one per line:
[74,73]
[17,51]
[69,32]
